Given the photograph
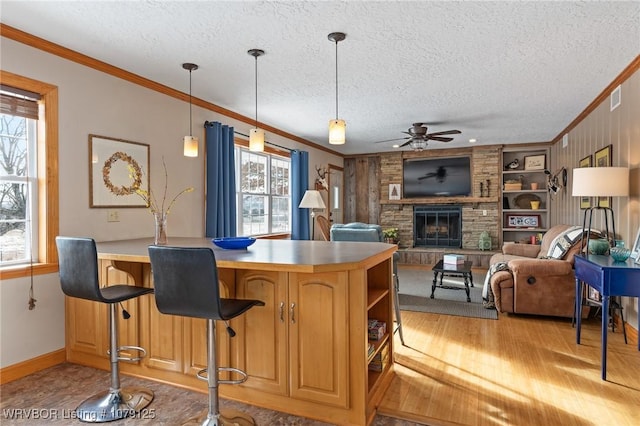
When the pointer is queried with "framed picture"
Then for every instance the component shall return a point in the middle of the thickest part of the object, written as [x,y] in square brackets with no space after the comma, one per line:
[602,158]
[534,162]
[585,202]
[635,251]
[523,221]
[593,294]
[394,191]
[117,170]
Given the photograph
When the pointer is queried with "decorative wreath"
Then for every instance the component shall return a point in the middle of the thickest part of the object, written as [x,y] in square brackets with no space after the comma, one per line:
[136,174]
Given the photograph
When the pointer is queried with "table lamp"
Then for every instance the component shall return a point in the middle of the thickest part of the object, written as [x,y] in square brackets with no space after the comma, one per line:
[600,182]
[312,199]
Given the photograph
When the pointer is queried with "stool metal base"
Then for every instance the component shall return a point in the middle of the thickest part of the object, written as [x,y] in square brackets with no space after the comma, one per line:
[226,418]
[113,405]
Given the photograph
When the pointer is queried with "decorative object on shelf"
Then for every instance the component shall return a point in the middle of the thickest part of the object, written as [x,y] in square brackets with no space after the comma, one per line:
[620,254]
[523,221]
[390,235]
[535,205]
[635,251]
[523,201]
[535,162]
[534,186]
[190,147]
[513,165]
[485,241]
[116,172]
[256,135]
[312,199]
[157,208]
[394,191]
[487,185]
[233,243]
[597,182]
[594,295]
[598,246]
[512,185]
[337,127]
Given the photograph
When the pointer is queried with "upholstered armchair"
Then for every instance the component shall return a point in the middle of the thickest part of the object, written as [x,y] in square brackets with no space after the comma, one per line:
[356,231]
[539,279]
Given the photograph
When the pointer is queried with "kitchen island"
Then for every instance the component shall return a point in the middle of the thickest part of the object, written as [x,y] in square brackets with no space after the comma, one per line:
[306,352]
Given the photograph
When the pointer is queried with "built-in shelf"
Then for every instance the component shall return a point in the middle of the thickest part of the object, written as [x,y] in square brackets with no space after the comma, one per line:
[443,200]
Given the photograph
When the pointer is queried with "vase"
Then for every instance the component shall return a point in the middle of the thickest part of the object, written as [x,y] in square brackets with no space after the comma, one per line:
[160,238]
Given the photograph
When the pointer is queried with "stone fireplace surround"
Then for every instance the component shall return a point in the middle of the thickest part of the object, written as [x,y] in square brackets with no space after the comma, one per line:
[478,213]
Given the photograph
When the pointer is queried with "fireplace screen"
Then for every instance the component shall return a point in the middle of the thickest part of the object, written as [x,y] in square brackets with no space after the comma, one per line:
[437,226]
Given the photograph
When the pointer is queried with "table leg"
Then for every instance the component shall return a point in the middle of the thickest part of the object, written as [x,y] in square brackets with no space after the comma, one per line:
[578,309]
[466,286]
[471,278]
[435,281]
[605,327]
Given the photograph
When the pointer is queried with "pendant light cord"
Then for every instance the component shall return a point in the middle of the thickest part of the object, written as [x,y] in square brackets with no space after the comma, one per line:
[337,115]
[190,121]
[256,78]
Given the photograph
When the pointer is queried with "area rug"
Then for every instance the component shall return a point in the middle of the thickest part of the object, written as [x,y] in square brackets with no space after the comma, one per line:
[415,289]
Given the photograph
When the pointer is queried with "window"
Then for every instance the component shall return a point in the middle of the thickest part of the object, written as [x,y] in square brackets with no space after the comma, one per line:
[263,199]
[18,183]
[28,177]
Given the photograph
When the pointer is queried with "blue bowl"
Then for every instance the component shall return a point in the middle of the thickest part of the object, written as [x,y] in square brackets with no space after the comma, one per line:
[234,243]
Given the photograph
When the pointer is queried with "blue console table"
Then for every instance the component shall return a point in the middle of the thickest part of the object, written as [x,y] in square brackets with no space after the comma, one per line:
[610,278]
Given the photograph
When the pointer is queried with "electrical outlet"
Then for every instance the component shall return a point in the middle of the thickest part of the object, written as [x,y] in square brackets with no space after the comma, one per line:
[484,212]
[113,216]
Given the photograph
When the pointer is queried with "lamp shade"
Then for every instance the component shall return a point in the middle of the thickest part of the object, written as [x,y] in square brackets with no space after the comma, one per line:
[312,200]
[600,182]
[337,132]
[190,146]
[256,140]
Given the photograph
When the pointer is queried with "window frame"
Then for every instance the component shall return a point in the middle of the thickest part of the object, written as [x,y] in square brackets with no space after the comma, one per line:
[241,146]
[47,181]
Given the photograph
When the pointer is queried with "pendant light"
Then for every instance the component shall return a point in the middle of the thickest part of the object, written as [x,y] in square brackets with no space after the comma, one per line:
[337,127]
[256,136]
[190,142]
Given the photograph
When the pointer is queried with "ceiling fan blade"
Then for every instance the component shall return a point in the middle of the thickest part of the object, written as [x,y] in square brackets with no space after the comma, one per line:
[430,123]
[438,138]
[392,140]
[446,132]
[406,143]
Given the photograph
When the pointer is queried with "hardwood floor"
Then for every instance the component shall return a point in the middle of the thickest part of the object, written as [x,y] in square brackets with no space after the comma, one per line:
[518,370]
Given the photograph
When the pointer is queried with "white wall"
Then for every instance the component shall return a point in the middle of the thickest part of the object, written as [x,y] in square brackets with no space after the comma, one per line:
[91,102]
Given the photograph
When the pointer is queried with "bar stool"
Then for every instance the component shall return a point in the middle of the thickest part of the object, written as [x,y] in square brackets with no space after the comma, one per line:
[396,301]
[186,284]
[78,266]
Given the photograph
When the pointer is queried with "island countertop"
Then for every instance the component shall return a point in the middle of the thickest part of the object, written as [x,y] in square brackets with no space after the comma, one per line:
[264,254]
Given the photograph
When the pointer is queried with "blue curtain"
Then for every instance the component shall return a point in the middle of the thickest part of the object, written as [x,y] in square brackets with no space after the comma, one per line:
[220,205]
[299,184]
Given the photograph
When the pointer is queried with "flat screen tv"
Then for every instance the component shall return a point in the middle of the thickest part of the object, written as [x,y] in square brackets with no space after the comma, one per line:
[436,177]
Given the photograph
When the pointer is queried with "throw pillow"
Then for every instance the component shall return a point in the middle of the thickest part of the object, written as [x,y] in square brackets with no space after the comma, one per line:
[563,242]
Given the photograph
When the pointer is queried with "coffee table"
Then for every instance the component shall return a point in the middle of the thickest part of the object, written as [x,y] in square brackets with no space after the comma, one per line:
[461,271]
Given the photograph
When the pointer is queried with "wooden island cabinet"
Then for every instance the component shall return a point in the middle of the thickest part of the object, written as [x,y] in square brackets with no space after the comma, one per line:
[305,351]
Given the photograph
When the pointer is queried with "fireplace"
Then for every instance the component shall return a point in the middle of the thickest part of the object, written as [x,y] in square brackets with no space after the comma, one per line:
[437,226]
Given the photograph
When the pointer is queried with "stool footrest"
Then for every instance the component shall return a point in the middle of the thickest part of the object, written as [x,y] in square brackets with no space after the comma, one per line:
[130,348]
[202,375]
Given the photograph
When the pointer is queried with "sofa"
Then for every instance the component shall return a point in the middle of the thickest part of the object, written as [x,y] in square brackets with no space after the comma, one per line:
[537,279]
[356,231]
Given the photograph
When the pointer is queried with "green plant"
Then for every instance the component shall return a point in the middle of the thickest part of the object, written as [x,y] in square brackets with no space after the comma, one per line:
[391,233]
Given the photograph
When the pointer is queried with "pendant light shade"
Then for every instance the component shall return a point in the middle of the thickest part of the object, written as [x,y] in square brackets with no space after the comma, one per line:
[337,127]
[190,144]
[256,136]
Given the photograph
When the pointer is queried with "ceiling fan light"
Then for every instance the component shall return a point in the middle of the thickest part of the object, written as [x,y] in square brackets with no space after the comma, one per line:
[337,132]
[190,146]
[256,140]
[418,145]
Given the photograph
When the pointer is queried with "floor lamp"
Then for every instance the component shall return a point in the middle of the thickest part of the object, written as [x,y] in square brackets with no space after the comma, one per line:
[312,199]
[600,182]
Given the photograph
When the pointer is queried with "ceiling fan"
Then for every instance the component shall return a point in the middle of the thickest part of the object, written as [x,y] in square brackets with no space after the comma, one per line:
[418,136]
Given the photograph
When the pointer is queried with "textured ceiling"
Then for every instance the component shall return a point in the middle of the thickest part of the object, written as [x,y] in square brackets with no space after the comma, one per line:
[501,72]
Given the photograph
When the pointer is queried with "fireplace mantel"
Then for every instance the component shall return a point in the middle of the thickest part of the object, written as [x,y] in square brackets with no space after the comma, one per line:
[442,200]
